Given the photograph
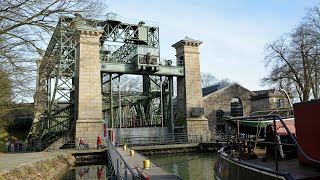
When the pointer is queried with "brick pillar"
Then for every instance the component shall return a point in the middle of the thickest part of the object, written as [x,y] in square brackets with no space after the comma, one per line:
[189,94]
[88,86]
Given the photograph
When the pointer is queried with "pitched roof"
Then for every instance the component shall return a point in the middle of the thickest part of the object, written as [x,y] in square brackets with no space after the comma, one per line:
[210,89]
[187,41]
[259,92]
[227,87]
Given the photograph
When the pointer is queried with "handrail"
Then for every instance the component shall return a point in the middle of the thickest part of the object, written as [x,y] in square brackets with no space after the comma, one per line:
[111,148]
[174,138]
[287,129]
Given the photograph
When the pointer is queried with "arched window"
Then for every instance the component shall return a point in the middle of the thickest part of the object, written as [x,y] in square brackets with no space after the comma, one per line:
[219,115]
[236,108]
[220,126]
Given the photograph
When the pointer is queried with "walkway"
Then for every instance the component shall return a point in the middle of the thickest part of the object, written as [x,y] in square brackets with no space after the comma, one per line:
[9,161]
[155,172]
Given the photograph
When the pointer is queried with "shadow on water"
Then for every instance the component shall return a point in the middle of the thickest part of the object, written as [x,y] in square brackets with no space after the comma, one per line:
[87,172]
[187,165]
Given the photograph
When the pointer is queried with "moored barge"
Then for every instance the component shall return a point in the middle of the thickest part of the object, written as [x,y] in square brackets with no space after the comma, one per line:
[290,155]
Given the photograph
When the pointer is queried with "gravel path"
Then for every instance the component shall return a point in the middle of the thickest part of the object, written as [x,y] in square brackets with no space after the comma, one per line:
[9,161]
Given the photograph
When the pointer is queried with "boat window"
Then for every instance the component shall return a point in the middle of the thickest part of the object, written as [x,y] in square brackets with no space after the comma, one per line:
[236,108]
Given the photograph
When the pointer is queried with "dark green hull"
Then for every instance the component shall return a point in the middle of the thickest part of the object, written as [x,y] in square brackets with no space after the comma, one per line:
[228,168]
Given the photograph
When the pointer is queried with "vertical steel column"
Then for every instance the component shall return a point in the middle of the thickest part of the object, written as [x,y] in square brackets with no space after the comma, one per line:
[111,100]
[161,100]
[171,104]
[146,104]
[275,143]
[238,137]
[120,113]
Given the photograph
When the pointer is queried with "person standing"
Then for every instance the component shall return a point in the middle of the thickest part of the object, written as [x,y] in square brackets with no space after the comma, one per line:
[20,145]
[16,145]
[8,144]
[99,142]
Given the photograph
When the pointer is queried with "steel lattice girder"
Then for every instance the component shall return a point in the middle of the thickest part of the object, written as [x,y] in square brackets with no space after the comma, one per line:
[54,110]
[127,35]
[147,105]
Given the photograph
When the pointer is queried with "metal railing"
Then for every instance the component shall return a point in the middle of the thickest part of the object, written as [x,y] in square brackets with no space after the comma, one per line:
[163,140]
[119,167]
[222,136]
[276,144]
[116,17]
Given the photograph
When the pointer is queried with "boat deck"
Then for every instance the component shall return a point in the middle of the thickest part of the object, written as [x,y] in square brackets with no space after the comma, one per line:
[292,166]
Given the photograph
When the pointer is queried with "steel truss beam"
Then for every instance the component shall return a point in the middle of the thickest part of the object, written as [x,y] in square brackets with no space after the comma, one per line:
[120,43]
[152,107]
[54,114]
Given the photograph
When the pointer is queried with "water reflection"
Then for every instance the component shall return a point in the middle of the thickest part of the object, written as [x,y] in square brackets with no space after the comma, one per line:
[87,172]
[188,165]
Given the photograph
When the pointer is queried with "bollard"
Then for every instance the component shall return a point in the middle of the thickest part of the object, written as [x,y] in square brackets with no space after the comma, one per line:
[125,147]
[131,152]
[146,164]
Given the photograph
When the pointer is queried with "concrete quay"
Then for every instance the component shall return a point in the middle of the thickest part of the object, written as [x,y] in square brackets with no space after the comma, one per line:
[153,173]
[34,165]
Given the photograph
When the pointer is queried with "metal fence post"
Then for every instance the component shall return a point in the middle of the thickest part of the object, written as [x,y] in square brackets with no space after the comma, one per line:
[120,169]
[125,172]
[117,169]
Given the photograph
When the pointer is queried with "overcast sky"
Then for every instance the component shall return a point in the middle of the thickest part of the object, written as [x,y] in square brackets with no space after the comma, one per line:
[234,32]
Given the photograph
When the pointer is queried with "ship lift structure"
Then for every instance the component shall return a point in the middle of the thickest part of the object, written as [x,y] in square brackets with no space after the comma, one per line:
[126,47]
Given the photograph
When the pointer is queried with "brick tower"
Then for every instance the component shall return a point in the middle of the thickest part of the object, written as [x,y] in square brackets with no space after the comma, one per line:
[88,85]
[190,105]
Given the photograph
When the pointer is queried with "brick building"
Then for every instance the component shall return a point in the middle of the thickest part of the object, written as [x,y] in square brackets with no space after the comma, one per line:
[235,100]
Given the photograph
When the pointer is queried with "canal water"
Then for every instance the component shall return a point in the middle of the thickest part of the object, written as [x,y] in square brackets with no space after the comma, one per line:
[188,166]
[89,172]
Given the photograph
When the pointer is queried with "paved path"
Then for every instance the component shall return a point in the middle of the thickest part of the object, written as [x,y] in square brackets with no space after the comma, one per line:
[9,161]
[155,172]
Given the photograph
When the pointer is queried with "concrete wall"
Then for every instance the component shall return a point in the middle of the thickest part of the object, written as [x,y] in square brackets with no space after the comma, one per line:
[139,132]
[260,104]
[269,101]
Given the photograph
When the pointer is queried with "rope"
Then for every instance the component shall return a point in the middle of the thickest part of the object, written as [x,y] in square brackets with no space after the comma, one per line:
[258,132]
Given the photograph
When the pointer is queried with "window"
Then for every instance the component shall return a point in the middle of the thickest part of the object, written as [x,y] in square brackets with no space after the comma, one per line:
[280,103]
[219,115]
[181,61]
[236,107]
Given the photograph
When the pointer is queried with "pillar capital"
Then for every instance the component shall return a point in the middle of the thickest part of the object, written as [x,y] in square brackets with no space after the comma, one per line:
[187,42]
[90,32]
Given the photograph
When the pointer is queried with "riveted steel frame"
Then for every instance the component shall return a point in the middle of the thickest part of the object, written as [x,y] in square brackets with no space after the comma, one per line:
[152,106]
[55,94]
[127,35]
[149,108]
[54,102]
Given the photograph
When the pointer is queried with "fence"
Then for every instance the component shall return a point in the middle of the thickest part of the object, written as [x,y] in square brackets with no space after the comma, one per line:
[118,166]
[163,140]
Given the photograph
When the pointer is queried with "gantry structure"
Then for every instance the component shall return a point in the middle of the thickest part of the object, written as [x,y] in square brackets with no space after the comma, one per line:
[75,79]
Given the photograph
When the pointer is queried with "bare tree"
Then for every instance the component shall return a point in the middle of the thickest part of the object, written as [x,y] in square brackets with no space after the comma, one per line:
[5,93]
[207,79]
[25,27]
[294,58]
